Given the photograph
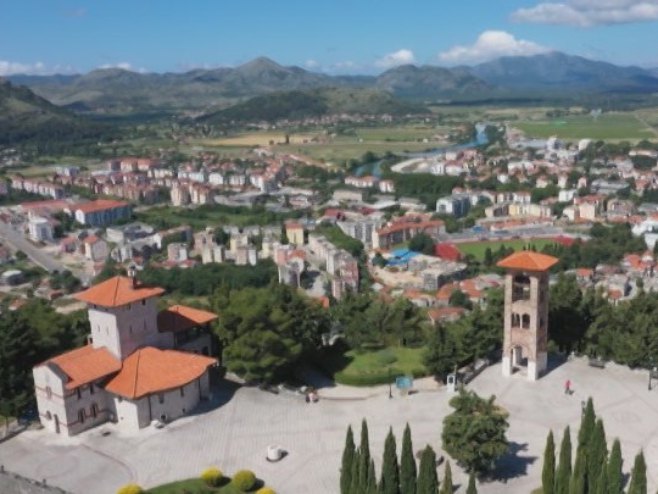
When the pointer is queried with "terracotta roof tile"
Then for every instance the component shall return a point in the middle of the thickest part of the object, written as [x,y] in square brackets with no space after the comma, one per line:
[150,370]
[85,365]
[180,318]
[117,291]
[528,261]
[99,205]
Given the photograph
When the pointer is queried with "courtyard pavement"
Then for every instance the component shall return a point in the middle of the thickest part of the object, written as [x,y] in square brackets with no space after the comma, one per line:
[236,427]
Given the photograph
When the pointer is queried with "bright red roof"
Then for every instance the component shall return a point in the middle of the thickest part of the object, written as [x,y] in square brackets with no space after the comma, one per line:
[528,260]
[180,318]
[150,370]
[85,365]
[447,251]
[117,291]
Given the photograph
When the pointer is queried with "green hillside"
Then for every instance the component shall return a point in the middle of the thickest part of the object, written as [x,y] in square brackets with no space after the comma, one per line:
[296,105]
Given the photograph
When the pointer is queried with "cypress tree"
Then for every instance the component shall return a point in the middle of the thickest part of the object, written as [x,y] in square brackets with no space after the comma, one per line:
[578,484]
[597,456]
[354,474]
[372,479]
[564,467]
[349,455]
[548,470]
[428,482]
[615,477]
[601,486]
[587,424]
[407,464]
[446,486]
[364,459]
[638,483]
[390,479]
[471,489]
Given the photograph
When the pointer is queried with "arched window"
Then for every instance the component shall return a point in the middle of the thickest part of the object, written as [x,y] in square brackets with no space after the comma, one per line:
[525,321]
[516,320]
[520,288]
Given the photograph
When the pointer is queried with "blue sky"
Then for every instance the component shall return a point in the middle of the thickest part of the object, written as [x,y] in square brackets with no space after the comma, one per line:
[336,36]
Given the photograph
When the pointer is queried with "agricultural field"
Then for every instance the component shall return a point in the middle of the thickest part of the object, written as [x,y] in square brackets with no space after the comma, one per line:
[608,126]
[477,249]
[263,139]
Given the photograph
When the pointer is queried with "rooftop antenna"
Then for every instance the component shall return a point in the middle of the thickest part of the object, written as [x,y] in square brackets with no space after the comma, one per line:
[132,272]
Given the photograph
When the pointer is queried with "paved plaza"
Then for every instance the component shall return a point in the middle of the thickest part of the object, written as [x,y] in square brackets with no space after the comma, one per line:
[241,422]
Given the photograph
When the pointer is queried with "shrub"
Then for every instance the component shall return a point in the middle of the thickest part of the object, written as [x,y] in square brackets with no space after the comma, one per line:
[212,476]
[130,489]
[244,480]
[265,490]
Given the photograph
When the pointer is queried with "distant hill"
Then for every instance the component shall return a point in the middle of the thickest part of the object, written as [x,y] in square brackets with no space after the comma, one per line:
[296,105]
[429,82]
[26,117]
[559,72]
[546,75]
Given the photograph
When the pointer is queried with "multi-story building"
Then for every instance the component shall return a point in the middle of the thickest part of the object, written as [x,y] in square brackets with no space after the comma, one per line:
[405,228]
[137,367]
[101,212]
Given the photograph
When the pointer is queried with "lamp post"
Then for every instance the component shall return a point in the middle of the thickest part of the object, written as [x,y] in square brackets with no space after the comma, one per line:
[390,384]
[652,370]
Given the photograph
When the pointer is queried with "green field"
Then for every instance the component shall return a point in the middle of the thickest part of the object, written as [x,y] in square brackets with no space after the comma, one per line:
[477,249]
[608,126]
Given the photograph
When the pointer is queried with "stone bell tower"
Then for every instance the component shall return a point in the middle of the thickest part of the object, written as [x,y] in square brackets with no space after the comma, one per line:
[526,313]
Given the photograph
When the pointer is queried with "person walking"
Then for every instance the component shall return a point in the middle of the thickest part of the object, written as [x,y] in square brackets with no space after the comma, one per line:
[567,387]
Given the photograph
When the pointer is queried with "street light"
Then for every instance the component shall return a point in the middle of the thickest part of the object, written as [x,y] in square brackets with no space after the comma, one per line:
[652,370]
[390,384]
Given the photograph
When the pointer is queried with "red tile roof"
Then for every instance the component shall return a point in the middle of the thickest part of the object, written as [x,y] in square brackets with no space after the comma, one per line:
[85,365]
[447,251]
[528,261]
[150,370]
[117,291]
[99,205]
[180,318]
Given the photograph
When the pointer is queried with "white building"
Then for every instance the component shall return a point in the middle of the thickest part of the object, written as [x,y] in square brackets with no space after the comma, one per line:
[40,229]
[137,367]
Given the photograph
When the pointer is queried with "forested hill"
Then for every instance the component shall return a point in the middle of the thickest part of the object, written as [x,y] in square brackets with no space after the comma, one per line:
[26,117]
[296,105]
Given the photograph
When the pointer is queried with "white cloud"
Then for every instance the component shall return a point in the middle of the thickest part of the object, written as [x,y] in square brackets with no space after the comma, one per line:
[312,64]
[400,57]
[490,45]
[38,68]
[120,65]
[587,13]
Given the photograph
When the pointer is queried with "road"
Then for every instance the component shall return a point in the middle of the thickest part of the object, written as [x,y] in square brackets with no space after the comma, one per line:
[16,240]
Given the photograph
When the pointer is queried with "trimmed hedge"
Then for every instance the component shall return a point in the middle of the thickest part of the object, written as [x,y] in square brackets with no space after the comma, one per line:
[244,480]
[212,476]
[265,490]
[375,378]
[130,489]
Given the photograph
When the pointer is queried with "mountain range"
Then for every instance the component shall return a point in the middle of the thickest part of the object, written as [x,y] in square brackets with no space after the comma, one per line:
[551,74]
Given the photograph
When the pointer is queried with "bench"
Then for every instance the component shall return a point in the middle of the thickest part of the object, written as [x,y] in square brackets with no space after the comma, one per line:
[596,362]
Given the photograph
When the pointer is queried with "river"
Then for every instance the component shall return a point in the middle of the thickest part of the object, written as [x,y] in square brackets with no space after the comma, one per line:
[375,167]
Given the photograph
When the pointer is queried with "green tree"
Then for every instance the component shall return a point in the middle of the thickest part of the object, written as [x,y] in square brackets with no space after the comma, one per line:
[422,243]
[587,424]
[372,479]
[407,464]
[460,299]
[390,478]
[428,482]
[349,456]
[364,459]
[638,484]
[440,357]
[597,456]
[447,486]
[548,470]
[578,484]
[474,434]
[472,487]
[615,477]
[563,476]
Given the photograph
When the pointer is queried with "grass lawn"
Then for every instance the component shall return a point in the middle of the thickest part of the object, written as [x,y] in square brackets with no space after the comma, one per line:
[367,368]
[608,126]
[477,249]
[194,486]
